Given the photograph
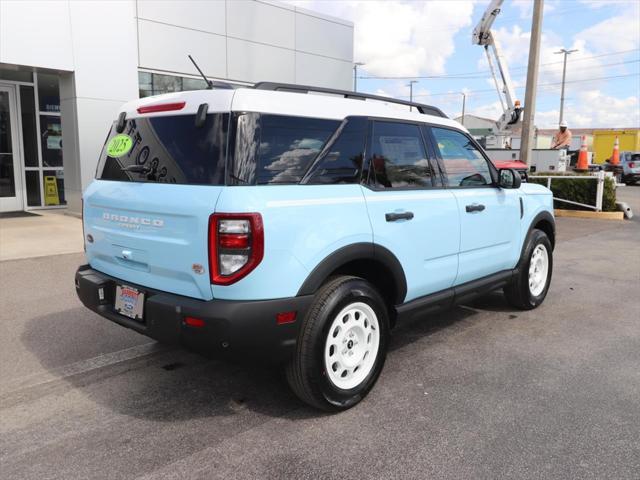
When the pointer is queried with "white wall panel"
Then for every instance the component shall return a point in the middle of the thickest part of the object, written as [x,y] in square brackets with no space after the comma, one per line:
[323,72]
[95,119]
[165,47]
[105,58]
[36,33]
[255,62]
[322,37]
[208,16]
[261,22]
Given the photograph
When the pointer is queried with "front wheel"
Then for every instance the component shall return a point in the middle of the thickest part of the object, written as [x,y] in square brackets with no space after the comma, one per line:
[342,345]
[531,285]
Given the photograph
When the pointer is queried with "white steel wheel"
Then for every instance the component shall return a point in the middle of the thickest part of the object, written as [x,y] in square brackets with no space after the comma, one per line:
[538,270]
[352,345]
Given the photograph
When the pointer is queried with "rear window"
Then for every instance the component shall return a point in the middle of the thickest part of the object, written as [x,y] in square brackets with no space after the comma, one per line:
[167,149]
[277,149]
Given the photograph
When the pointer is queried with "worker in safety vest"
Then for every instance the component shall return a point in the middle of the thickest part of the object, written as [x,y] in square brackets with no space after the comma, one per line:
[562,139]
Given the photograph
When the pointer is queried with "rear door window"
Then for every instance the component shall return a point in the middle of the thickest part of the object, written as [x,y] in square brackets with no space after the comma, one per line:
[398,157]
[167,149]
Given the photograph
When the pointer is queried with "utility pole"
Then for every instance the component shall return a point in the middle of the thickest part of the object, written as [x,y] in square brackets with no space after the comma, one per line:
[532,80]
[464,100]
[564,74]
[355,75]
[410,85]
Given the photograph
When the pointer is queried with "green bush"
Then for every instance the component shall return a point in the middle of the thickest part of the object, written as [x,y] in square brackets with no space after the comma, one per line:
[583,191]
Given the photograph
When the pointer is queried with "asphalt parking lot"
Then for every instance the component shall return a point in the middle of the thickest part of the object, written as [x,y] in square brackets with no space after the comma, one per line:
[482,391]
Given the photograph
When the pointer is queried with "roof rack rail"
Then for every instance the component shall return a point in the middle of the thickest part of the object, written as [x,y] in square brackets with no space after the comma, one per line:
[289,87]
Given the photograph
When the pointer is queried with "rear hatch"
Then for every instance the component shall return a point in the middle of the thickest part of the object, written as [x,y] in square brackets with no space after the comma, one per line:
[157,182]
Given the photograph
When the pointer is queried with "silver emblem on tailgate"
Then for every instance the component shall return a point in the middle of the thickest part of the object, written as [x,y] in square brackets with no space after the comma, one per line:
[128,221]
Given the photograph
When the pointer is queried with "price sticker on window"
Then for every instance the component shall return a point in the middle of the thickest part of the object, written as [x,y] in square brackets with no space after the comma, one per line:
[119,146]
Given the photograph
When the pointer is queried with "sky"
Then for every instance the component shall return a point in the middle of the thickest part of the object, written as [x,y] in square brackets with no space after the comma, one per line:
[413,38]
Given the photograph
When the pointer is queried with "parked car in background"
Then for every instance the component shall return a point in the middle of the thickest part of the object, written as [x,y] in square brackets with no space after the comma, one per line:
[516,165]
[629,168]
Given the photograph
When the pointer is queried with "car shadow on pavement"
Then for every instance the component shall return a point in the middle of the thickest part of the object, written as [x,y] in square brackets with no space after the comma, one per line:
[173,385]
[168,385]
[408,331]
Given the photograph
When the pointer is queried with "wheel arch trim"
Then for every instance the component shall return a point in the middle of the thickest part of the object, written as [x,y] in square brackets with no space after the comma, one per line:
[541,216]
[353,252]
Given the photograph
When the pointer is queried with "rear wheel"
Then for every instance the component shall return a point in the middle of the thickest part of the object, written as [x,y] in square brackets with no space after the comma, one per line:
[531,285]
[342,345]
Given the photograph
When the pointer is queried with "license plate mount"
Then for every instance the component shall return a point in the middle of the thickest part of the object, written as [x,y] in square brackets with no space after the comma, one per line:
[129,302]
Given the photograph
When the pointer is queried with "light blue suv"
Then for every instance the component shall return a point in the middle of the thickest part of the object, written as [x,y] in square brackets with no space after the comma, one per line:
[297,225]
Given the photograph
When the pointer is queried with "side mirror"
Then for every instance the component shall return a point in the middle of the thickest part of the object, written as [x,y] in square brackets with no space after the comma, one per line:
[509,178]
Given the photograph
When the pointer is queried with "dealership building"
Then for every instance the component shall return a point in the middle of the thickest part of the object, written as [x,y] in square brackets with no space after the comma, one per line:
[67,66]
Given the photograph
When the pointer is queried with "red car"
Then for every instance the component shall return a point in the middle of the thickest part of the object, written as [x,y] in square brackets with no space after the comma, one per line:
[516,165]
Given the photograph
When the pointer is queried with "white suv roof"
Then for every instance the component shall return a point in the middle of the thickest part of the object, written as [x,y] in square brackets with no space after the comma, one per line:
[317,103]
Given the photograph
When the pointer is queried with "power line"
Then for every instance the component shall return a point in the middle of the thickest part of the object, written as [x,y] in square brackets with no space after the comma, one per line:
[481,76]
[478,73]
[473,92]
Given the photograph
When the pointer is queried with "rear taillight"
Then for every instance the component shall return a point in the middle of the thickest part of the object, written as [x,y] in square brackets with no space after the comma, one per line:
[632,165]
[236,246]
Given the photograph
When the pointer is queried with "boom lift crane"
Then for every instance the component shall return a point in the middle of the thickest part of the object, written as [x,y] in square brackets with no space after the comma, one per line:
[483,36]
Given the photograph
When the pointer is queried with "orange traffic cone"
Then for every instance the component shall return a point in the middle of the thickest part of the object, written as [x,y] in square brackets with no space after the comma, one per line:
[583,160]
[615,158]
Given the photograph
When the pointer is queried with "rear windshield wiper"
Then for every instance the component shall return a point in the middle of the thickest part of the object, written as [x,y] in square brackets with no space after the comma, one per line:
[238,178]
[137,168]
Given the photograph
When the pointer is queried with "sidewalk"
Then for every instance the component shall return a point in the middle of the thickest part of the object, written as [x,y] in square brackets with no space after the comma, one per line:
[40,234]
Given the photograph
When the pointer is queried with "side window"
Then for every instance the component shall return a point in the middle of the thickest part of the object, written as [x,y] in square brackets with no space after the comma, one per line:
[342,161]
[276,148]
[398,157]
[463,163]
[288,145]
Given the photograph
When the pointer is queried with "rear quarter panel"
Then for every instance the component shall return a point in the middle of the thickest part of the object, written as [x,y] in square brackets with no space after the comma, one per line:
[303,224]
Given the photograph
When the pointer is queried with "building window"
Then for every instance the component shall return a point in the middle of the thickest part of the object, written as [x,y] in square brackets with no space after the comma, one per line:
[33,188]
[157,84]
[53,181]
[42,141]
[48,93]
[16,75]
[51,140]
[29,129]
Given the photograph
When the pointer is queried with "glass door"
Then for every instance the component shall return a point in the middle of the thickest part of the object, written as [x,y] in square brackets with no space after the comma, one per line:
[11,198]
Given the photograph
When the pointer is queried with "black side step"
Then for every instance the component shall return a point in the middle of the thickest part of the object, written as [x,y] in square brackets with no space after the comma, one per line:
[445,299]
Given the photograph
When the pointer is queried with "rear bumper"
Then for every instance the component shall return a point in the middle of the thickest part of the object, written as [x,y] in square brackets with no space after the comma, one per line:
[237,329]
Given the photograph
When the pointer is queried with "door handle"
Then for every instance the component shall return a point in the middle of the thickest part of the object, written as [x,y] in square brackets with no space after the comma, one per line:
[474,207]
[394,217]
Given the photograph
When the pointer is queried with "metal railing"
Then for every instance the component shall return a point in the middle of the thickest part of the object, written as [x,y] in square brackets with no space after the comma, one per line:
[599,177]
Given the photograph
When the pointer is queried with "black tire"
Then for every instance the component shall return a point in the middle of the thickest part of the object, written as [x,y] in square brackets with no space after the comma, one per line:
[307,373]
[519,293]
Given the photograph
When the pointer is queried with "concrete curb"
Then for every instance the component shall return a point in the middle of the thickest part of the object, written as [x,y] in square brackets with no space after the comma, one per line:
[587,214]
